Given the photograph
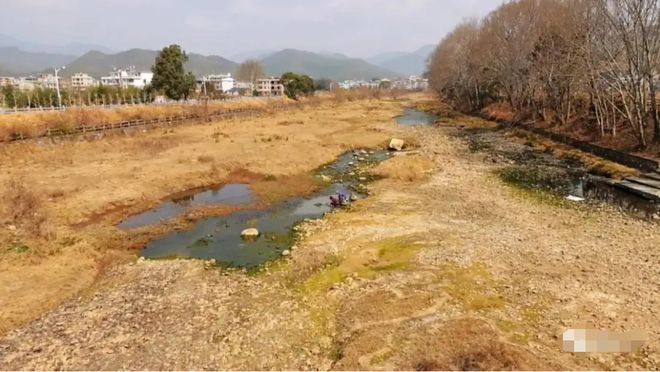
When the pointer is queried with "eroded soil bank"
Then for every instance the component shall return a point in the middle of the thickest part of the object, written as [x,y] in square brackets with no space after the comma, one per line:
[444,266]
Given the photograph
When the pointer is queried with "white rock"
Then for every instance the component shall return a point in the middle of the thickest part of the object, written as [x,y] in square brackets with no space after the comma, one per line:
[250,233]
[325,178]
[396,144]
[286,252]
[574,198]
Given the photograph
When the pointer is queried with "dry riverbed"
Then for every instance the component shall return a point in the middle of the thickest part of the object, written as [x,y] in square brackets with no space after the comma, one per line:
[443,267]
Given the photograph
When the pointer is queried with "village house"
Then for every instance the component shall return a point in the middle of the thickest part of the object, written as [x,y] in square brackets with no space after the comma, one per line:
[128,78]
[269,87]
[82,81]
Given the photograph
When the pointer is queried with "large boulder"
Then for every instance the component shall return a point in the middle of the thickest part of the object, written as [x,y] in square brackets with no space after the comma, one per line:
[250,233]
[396,144]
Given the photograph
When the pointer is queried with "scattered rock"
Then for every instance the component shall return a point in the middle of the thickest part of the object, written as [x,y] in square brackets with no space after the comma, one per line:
[362,178]
[353,197]
[250,233]
[286,252]
[396,144]
[325,178]
[363,151]
[11,228]
[351,163]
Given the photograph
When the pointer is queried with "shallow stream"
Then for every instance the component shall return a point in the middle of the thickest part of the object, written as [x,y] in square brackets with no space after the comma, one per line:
[220,238]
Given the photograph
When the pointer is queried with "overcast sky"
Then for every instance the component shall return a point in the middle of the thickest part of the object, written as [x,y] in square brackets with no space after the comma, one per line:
[358,28]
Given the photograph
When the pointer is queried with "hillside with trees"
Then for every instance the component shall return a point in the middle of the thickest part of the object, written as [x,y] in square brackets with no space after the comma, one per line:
[588,68]
[99,64]
[322,66]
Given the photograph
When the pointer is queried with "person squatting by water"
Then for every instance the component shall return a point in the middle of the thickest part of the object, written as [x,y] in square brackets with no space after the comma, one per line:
[338,200]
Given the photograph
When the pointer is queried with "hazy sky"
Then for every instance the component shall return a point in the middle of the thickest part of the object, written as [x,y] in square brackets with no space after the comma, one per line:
[358,28]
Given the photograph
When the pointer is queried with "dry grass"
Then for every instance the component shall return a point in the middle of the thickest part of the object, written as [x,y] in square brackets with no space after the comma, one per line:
[409,168]
[37,123]
[467,345]
[94,184]
[498,112]
[22,206]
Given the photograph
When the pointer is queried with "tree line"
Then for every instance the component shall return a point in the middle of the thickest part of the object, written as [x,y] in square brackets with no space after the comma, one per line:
[591,65]
[97,95]
[169,79]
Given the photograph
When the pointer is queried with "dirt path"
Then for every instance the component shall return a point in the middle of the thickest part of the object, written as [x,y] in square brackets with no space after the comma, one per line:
[453,271]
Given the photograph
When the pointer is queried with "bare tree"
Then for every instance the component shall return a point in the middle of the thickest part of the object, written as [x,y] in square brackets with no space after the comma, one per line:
[249,71]
[588,63]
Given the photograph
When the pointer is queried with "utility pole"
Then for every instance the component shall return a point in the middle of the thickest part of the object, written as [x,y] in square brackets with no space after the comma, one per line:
[206,100]
[57,85]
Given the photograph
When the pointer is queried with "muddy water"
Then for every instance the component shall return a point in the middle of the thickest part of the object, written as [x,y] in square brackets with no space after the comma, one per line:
[219,238]
[415,117]
[230,194]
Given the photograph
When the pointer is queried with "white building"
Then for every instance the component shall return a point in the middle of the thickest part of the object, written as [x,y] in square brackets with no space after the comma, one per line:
[352,84]
[414,82]
[221,82]
[128,78]
[82,80]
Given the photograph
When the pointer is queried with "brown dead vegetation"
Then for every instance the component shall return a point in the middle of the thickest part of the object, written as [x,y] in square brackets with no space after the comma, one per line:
[23,206]
[85,187]
[406,168]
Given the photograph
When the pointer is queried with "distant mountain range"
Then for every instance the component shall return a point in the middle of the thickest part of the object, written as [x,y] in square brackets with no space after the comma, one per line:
[15,62]
[413,63]
[99,64]
[75,49]
[252,54]
[322,66]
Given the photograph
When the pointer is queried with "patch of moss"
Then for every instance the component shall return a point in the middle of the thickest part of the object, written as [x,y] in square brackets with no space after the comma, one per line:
[322,281]
[19,248]
[507,325]
[535,183]
[382,357]
[392,255]
[471,287]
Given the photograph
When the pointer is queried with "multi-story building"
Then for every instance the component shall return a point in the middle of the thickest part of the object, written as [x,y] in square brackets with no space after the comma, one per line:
[270,87]
[81,80]
[128,78]
[352,84]
[413,82]
[47,81]
[221,82]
